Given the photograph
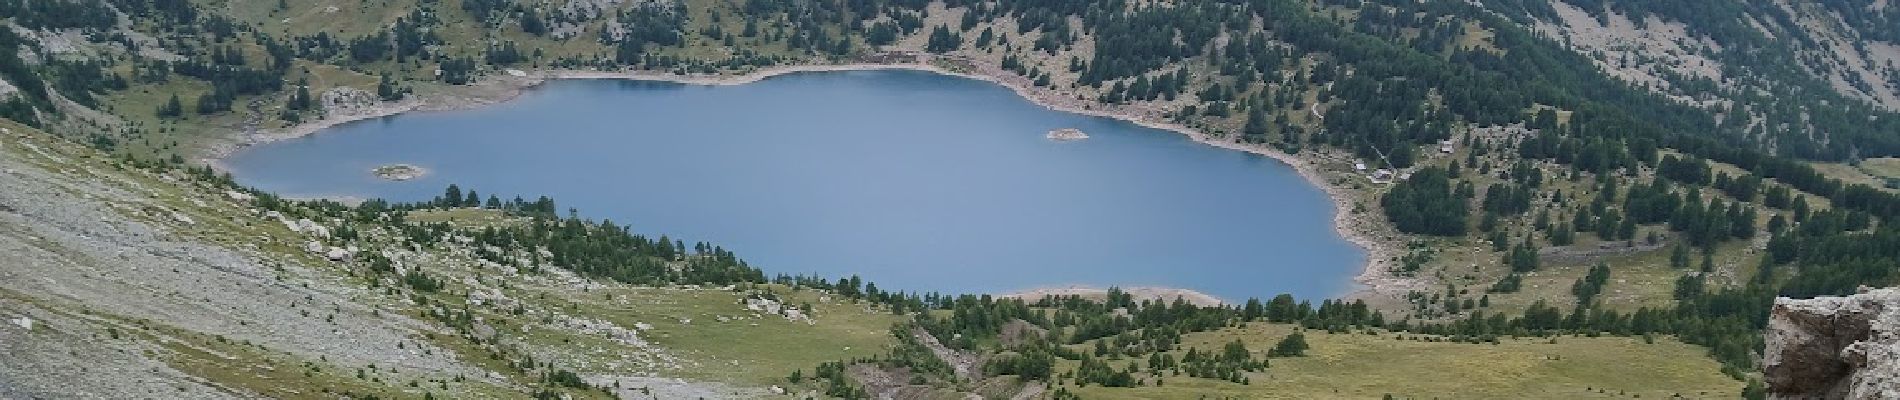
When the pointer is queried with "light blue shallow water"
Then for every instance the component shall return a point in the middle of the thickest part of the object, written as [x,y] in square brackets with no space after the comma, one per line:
[912,180]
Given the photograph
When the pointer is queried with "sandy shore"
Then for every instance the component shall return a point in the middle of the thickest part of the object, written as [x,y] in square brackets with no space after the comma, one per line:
[1375,279]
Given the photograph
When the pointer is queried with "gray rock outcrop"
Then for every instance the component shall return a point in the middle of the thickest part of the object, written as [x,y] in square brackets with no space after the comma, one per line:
[1835,347]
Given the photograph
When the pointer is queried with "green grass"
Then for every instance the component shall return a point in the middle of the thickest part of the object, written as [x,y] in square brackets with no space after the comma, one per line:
[1370,366]
[186,135]
[1862,175]
[464,217]
[1477,37]
[744,350]
[1875,172]
[1885,167]
[352,17]
[1638,278]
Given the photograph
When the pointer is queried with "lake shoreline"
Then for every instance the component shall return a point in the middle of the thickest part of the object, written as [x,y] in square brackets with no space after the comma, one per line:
[1375,279]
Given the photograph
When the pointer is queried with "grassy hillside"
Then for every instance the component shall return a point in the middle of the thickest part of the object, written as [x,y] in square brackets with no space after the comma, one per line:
[1371,365]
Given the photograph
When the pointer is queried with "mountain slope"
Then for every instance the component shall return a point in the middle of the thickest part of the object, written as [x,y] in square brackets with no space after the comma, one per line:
[1782,70]
[129,280]
[1632,168]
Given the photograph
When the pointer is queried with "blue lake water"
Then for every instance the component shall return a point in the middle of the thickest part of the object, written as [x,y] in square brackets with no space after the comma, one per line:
[913,180]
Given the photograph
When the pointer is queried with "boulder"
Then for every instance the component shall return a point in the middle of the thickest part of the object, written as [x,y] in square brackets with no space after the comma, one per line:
[1835,347]
[339,254]
[311,227]
[24,322]
[484,331]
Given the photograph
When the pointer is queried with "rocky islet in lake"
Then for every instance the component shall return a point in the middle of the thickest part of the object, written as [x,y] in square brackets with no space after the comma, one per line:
[399,172]
[1067,134]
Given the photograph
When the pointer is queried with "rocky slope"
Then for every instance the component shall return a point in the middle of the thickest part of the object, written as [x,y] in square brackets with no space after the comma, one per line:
[115,275]
[1835,347]
[1842,45]
[120,280]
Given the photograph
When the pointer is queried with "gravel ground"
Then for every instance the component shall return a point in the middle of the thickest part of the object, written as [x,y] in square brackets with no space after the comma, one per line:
[93,253]
[62,357]
[78,236]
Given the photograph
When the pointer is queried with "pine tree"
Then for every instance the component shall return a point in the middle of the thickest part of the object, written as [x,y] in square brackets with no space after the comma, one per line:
[942,40]
[172,108]
[1588,287]
[1293,345]
[451,196]
[1425,204]
[1256,128]
[300,100]
[386,90]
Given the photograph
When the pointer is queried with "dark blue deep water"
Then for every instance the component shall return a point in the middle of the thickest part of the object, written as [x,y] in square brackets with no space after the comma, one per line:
[915,181]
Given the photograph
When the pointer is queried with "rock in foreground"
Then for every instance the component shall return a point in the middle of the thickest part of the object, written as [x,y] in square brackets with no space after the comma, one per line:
[1835,347]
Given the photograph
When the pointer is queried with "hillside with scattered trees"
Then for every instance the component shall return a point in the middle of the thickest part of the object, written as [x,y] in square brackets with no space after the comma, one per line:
[1536,169]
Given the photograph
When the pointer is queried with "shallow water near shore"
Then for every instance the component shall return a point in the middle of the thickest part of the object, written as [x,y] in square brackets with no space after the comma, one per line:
[914,180]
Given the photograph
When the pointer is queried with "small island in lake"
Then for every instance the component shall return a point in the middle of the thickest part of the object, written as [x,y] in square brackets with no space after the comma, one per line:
[399,172]
[1067,134]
